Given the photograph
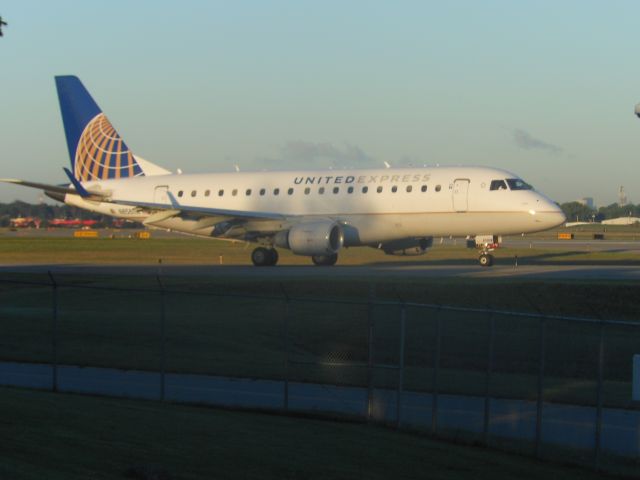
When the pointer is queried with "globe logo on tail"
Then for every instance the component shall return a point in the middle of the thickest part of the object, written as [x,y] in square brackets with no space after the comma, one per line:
[101,154]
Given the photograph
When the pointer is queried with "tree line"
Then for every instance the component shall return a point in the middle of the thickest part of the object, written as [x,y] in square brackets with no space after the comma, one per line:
[577,212]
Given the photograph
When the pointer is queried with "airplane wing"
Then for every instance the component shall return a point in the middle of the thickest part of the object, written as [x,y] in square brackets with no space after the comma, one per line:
[175,209]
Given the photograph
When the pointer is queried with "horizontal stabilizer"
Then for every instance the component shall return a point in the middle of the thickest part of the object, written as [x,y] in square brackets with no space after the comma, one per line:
[51,188]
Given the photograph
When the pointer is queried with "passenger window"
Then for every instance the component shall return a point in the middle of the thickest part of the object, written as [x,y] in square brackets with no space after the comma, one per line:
[207,193]
[350,190]
[365,189]
[336,189]
[379,189]
[193,193]
[248,192]
[517,184]
[321,190]
[424,188]
[290,191]
[262,191]
[394,189]
[234,192]
[180,193]
[438,188]
[276,191]
[307,190]
[220,193]
[409,188]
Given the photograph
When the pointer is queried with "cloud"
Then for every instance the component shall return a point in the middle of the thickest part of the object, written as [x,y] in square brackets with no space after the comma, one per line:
[525,141]
[303,154]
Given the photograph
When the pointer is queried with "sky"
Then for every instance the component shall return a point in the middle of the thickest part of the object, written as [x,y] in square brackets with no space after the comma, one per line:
[545,89]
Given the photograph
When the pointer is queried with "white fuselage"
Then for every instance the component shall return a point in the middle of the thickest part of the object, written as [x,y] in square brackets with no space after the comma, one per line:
[372,205]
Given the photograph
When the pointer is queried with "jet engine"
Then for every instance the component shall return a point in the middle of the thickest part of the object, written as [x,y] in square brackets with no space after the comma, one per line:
[323,237]
[407,246]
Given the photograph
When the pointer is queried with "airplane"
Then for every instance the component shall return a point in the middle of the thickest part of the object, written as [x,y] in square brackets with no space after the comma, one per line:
[71,222]
[311,213]
[24,222]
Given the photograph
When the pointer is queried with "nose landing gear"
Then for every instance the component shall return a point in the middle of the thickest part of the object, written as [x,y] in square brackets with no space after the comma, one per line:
[487,244]
[485,259]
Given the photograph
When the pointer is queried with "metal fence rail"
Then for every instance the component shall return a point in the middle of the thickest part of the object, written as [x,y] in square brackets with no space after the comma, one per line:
[538,381]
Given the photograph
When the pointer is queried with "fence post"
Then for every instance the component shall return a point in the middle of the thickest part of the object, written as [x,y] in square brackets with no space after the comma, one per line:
[403,318]
[599,398]
[436,368]
[163,339]
[286,342]
[538,439]
[370,340]
[54,333]
[487,392]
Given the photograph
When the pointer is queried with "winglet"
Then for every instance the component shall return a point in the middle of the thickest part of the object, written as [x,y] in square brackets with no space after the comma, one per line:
[76,184]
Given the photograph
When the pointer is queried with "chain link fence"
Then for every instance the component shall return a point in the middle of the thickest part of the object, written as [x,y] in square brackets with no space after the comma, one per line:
[551,386]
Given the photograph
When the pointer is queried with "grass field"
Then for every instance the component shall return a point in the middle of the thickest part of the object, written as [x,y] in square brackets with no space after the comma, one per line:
[207,324]
[60,436]
[189,250]
[212,329]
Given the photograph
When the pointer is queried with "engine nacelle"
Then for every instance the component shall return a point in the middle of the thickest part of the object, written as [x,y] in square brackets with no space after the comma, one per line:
[407,246]
[322,237]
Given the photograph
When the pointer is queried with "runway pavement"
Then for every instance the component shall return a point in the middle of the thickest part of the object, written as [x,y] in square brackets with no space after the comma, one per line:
[581,245]
[378,271]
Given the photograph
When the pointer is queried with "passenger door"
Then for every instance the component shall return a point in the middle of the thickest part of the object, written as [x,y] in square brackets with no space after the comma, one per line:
[161,195]
[461,195]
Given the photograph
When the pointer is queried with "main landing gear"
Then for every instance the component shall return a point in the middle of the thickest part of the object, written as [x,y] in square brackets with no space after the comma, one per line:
[264,257]
[267,257]
[325,260]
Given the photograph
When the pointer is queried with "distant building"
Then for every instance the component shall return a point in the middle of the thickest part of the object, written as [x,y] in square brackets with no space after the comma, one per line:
[621,221]
[622,197]
[587,202]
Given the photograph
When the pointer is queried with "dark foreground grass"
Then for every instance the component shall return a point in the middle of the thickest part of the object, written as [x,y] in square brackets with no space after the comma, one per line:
[244,337]
[59,436]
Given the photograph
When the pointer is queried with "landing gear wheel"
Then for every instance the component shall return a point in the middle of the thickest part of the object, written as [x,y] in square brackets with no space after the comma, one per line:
[264,257]
[261,257]
[485,259]
[325,260]
[273,256]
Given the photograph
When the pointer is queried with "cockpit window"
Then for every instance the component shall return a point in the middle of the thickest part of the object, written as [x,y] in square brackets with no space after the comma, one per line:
[498,185]
[517,184]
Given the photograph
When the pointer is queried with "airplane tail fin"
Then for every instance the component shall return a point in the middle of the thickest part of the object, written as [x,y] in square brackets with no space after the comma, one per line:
[96,150]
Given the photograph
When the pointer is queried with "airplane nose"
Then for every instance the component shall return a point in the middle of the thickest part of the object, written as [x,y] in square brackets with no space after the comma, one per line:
[551,215]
